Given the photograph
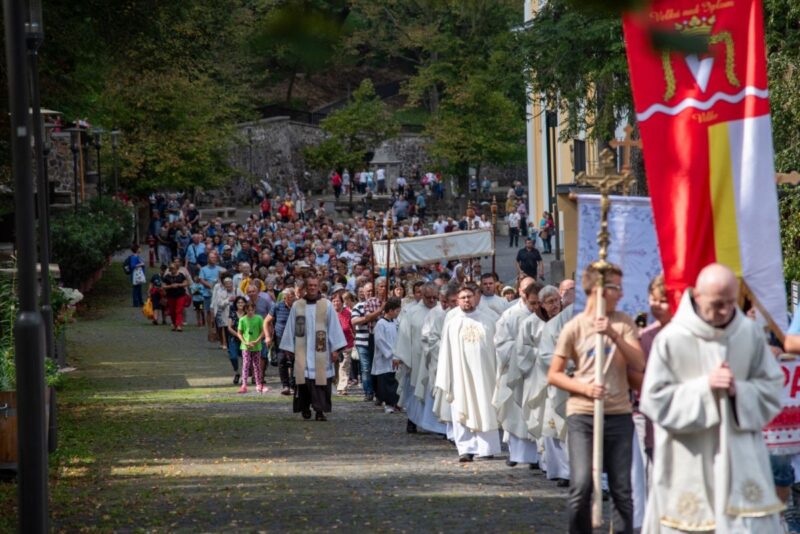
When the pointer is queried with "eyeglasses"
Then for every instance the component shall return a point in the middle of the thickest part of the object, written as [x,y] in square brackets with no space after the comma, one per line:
[613,286]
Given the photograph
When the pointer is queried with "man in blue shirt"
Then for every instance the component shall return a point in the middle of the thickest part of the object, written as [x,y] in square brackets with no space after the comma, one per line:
[209,275]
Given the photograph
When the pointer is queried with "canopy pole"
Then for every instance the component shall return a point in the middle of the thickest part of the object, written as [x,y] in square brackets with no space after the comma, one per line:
[388,258]
[494,234]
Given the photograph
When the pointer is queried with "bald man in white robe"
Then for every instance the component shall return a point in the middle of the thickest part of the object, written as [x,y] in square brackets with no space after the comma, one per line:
[710,386]
[414,377]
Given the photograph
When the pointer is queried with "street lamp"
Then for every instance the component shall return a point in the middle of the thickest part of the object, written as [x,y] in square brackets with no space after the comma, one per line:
[114,145]
[34,36]
[23,28]
[97,145]
[551,123]
[74,138]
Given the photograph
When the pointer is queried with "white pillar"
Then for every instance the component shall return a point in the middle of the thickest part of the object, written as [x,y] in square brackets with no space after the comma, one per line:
[530,135]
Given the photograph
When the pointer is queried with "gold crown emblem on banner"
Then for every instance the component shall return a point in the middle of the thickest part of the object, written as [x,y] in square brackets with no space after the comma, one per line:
[697,25]
[701,27]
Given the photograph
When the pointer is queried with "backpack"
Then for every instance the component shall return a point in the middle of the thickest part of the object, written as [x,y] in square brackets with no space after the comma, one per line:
[201,258]
[126,265]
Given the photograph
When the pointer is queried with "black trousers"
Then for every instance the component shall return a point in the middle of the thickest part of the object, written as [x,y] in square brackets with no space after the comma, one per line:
[310,395]
[386,388]
[513,237]
[617,459]
[285,362]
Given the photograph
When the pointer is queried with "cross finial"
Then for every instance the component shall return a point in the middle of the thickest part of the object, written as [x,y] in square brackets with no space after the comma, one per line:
[627,145]
[605,182]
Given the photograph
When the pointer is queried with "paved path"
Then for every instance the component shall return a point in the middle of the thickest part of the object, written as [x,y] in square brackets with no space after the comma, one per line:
[155,438]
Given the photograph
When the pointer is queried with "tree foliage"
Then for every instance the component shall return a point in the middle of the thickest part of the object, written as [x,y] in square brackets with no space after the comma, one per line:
[170,75]
[353,130]
[466,66]
[576,62]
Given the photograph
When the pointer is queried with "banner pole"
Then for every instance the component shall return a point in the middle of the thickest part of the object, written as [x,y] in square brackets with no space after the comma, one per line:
[388,258]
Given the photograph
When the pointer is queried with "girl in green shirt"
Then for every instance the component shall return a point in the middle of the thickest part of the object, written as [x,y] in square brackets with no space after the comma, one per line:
[250,333]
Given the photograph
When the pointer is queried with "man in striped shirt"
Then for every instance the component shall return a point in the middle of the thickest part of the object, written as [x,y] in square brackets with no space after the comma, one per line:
[274,325]
[365,315]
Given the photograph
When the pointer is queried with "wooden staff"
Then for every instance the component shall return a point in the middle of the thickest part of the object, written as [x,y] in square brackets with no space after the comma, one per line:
[388,257]
[604,183]
[371,229]
[494,231]
[470,215]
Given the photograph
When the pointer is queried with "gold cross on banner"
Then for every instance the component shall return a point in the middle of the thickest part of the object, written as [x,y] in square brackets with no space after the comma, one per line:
[445,247]
[605,182]
[627,145]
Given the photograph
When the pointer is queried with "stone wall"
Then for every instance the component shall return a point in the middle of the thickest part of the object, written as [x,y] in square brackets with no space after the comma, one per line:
[277,152]
[60,169]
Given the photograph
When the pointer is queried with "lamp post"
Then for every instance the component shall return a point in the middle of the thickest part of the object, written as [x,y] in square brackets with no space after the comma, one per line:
[551,118]
[85,144]
[114,145]
[74,139]
[96,133]
[29,345]
[34,32]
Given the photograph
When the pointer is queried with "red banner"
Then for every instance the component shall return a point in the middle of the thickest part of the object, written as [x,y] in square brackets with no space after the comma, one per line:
[706,134]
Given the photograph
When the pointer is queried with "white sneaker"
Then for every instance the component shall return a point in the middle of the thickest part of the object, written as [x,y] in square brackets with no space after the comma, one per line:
[388,409]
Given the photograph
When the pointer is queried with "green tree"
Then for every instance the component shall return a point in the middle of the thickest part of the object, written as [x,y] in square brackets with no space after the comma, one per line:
[477,124]
[300,36]
[353,131]
[576,61]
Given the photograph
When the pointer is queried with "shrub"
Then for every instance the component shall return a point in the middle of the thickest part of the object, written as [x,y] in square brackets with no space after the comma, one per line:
[83,241]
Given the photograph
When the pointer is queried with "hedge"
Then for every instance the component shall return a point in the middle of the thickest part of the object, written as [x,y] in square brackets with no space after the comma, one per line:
[84,240]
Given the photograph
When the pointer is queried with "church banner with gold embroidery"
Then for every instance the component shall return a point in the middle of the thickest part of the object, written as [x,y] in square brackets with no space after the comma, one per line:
[704,120]
[435,248]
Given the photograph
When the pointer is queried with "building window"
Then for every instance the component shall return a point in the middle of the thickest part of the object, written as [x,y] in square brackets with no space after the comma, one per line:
[578,156]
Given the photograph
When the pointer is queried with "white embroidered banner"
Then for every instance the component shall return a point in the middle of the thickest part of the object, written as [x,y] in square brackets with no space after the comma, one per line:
[634,247]
[435,248]
[783,433]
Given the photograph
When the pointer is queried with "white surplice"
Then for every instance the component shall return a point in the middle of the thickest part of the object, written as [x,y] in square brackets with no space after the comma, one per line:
[336,339]
[467,369]
[711,469]
[507,397]
[497,304]
[546,405]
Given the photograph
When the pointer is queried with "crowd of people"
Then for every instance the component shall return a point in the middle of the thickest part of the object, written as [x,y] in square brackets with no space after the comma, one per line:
[459,354]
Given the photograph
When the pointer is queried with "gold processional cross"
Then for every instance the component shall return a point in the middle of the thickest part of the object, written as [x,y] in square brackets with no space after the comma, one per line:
[604,182]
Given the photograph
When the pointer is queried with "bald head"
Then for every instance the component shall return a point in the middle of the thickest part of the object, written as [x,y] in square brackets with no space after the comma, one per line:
[566,289]
[523,285]
[715,294]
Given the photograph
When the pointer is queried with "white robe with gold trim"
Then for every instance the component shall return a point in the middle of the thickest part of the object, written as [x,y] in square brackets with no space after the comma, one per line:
[711,468]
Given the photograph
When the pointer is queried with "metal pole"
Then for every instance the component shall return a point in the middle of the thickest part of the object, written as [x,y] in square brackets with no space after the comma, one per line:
[29,343]
[43,200]
[74,148]
[114,141]
[99,175]
[552,120]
